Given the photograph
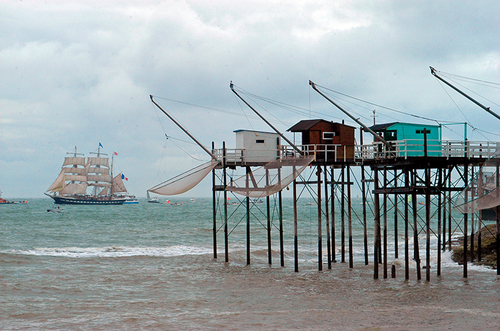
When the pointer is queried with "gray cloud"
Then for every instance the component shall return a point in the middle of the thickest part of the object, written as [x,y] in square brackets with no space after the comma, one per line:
[80,73]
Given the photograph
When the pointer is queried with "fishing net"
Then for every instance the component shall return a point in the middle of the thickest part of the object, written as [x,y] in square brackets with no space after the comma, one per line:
[483,190]
[185,181]
[270,178]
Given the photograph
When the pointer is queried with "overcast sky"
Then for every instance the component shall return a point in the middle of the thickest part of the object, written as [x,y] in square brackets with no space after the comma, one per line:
[79,73]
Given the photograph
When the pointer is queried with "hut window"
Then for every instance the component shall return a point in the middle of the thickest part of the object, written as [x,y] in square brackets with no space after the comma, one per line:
[422,131]
[259,141]
[328,135]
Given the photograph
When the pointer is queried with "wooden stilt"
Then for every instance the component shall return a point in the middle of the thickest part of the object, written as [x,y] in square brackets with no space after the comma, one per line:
[224,175]
[214,209]
[376,244]
[364,201]
[248,216]
[282,248]
[342,216]
[440,178]
[416,253]
[428,226]
[407,220]
[327,220]
[395,204]
[466,219]
[444,193]
[472,219]
[332,204]
[449,212]
[498,224]
[349,216]
[385,225]
[295,230]
[320,234]
[268,213]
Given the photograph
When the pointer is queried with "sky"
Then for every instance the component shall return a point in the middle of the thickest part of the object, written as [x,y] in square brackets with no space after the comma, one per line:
[80,73]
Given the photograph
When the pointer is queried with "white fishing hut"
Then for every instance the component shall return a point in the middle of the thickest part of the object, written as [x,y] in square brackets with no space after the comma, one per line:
[257,146]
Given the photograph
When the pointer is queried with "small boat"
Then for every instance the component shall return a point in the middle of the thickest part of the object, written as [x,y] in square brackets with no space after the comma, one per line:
[152,199]
[173,203]
[3,201]
[129,199]
[55,209]
[311,203]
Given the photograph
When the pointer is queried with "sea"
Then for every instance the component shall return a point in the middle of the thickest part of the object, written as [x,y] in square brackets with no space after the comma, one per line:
[152,267]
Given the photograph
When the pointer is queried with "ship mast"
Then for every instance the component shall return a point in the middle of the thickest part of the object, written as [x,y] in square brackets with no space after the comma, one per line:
[433,72]
[74,155]
[99,166]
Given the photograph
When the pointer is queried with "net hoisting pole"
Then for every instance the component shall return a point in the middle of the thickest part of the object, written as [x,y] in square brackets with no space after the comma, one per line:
[433,72]
[183,129]
[267,122]
[347,113]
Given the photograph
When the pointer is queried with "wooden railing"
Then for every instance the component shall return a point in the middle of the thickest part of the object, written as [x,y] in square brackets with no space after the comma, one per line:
[377,150]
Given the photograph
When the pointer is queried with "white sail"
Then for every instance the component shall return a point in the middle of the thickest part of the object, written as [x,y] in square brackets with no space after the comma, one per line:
[99,184]
[79,178]
[58,183]
[104,191]
[73,170]
[118,185]
[74,161]
[97,170]
[99,178]
[185,181]
[100,161]
[76,188]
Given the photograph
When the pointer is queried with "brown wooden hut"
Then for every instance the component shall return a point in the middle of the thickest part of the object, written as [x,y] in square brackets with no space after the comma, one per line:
[334,141]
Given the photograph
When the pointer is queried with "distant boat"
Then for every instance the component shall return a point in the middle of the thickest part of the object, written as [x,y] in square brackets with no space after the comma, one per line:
[152,199]
[55,209]
[129,199]
[87,181]
[3,201]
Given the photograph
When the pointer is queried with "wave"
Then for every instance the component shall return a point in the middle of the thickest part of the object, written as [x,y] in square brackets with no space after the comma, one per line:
[112,251]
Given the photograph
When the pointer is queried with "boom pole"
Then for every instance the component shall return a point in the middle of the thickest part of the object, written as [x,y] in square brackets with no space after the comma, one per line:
[182,128]
[276,130]
[433,71]
[352,117]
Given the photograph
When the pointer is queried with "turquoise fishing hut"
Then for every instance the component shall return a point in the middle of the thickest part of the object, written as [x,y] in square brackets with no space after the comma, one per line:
[408,138]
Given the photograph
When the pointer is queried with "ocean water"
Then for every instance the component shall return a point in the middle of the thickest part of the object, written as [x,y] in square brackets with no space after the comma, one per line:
[151,267]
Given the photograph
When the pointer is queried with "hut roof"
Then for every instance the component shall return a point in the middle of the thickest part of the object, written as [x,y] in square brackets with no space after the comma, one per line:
[306,125]
[380,127]
[244,130]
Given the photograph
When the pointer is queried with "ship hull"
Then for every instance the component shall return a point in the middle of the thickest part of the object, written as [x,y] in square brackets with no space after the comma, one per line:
[86,201]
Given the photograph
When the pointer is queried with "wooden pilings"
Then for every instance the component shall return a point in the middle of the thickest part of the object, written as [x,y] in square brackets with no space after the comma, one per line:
[403,199]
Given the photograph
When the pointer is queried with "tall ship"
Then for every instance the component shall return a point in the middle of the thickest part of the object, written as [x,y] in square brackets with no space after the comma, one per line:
[88,181]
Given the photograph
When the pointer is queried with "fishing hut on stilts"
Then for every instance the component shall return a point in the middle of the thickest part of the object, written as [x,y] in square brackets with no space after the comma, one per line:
[412,175]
